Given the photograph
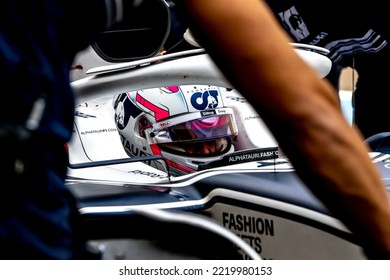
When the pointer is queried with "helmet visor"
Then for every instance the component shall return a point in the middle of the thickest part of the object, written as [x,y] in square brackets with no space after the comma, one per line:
[202,128]
[204,148]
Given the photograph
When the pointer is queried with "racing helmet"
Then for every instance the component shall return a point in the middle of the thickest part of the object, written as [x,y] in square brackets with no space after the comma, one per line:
[187,125]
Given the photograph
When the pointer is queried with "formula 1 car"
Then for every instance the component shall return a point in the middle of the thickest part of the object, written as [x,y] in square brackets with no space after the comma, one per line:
[132,203]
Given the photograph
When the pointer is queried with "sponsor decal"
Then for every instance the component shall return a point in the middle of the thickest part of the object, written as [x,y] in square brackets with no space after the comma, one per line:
[221,111]
[243,156]
[131,149]
[205,100]
[282,236]
[239,99]
[83,115]
[248,118]
[248,224]
[258,154]
[207,113]
[164,124]
[249,228]
[146,173]
[97,131]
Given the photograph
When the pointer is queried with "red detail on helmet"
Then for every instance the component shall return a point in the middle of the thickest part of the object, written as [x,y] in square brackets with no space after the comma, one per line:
[159,113]
[173,89]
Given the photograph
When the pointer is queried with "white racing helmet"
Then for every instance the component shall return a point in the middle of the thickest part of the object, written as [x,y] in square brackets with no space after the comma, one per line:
[187,125]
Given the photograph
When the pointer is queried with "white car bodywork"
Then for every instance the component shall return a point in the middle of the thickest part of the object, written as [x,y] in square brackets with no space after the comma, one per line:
[262,201]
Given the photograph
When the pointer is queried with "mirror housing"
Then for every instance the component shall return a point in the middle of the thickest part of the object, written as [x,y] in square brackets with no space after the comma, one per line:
[141,34]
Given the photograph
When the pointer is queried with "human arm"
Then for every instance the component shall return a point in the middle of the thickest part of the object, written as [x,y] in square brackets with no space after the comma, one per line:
[301,110]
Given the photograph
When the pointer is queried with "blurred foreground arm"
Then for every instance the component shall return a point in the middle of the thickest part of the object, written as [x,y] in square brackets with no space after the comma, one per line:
[301,110]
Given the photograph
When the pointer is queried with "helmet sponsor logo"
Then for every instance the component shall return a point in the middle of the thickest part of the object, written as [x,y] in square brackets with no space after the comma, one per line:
[205,100]
[208,113]
[164,124]
[222,111]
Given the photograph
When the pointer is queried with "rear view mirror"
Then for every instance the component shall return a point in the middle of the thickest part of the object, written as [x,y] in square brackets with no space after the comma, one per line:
[141,34]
